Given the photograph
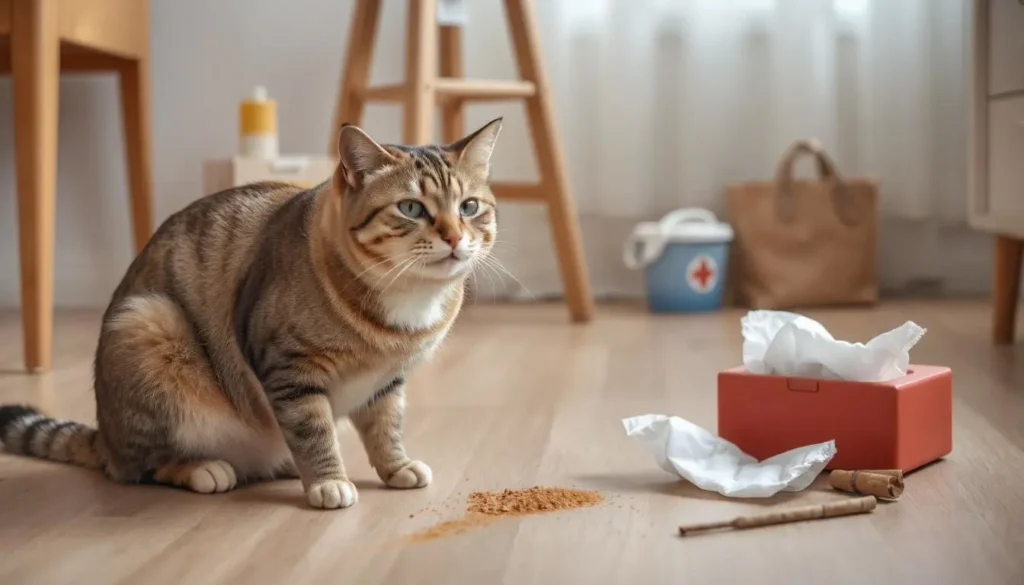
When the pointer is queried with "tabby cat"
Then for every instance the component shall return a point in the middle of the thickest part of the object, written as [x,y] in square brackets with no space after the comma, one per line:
[257,316]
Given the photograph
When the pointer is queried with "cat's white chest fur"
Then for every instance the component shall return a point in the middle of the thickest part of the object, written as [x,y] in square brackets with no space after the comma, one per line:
[355,391]
[415,309]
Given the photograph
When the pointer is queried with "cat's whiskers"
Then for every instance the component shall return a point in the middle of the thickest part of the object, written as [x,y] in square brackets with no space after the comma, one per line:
[401,266]
[490,277]
[504,243]
[399,275]
[410,256]
[357,277]
[493,263]
[384,261]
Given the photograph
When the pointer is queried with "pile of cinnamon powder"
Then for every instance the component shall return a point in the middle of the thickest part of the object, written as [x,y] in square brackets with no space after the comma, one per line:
[484,508]
[531,501]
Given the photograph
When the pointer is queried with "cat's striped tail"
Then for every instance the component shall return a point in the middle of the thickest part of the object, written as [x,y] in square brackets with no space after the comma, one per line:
[26,431]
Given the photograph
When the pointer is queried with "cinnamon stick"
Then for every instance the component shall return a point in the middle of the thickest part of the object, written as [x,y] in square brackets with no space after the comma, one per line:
[816,512]
[893,472]
[883,483]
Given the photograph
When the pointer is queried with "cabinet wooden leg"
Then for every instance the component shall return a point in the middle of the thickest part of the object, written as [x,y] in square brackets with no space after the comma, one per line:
[135,114]
[35,69]
[1006,289]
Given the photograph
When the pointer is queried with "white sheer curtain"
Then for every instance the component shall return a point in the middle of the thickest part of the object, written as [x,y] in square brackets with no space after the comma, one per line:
[661,103]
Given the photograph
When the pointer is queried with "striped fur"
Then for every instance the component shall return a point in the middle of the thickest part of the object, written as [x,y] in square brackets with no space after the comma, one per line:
[26,431]
[257,317]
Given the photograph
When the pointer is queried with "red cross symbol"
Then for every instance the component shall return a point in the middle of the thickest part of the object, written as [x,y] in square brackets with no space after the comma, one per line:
[702,273]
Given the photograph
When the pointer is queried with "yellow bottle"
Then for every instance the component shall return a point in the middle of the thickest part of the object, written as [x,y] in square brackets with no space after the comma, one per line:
[257,125]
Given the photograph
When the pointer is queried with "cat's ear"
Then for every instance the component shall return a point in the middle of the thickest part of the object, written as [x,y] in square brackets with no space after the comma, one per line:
[474,151]
[359,155]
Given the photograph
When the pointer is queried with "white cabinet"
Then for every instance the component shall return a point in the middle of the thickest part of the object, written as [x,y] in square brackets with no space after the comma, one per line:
[996,62]
[1006,157]
[1005,46]
[995,59]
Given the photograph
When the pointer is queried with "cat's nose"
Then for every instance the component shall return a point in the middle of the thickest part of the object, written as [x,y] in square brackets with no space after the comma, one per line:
[452,239]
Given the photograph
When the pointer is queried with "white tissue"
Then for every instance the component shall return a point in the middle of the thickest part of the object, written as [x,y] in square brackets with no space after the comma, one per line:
[714,464]
[786,344]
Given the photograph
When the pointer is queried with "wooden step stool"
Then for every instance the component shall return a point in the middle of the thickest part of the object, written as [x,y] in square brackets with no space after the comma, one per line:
[424,89]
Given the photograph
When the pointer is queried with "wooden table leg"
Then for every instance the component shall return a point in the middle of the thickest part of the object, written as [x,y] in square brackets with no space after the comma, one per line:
[1006,289]
[35,69]
[135,114]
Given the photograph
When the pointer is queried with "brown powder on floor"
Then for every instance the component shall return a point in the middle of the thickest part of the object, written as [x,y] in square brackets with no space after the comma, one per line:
[484,508]
[531,501]
[452,527]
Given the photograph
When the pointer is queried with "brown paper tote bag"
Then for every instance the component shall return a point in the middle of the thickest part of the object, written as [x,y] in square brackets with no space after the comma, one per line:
[802,243]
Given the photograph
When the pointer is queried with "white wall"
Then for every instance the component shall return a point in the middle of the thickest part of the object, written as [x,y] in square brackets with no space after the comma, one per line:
[207,54]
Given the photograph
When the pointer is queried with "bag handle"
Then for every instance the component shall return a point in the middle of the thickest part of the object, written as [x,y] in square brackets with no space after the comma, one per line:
[640,252]
[786,201]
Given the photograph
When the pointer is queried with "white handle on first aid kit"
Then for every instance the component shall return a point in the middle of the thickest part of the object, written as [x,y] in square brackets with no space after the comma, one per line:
[643,248]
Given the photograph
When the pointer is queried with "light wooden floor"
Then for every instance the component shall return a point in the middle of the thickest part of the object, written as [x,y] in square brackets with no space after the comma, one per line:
[516,398]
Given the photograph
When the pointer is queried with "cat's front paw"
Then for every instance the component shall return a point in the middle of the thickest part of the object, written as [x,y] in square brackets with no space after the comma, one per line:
[332,494]
[414,474]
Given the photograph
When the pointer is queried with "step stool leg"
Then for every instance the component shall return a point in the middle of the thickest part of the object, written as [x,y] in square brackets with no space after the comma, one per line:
[355,78]
[420,72]
[453,122]
[550,162]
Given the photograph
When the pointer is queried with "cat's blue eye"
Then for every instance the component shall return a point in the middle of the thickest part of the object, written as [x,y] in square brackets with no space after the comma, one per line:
[411,208]
[469,207]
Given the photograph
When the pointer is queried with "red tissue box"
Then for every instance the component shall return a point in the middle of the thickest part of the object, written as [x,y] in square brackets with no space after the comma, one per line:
[900,424]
